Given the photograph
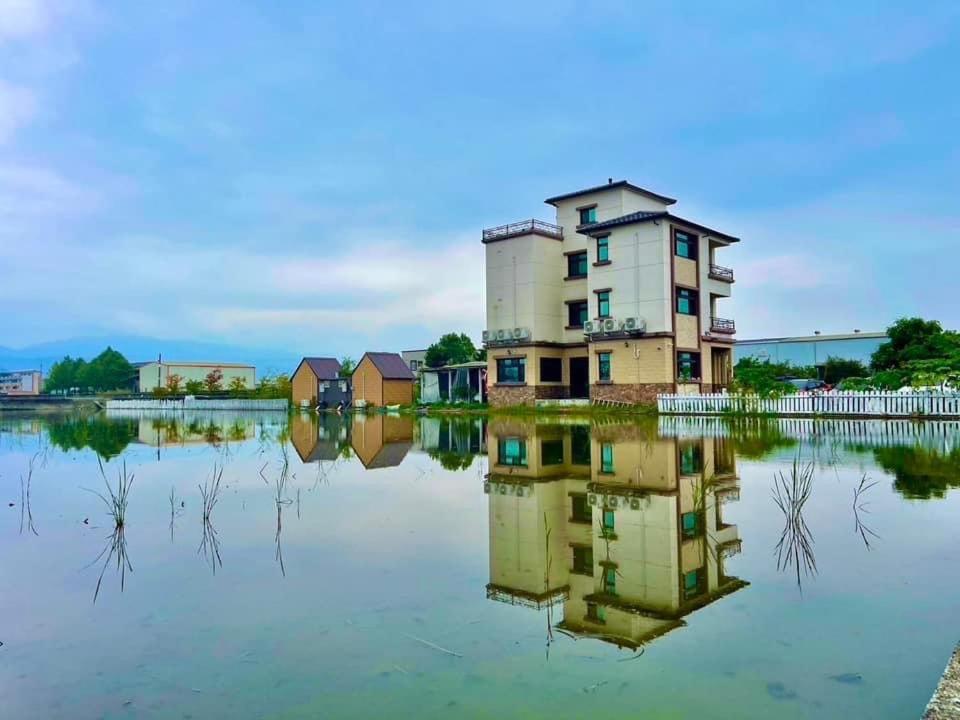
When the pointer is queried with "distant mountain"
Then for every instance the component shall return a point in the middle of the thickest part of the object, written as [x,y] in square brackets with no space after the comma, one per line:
[268,361]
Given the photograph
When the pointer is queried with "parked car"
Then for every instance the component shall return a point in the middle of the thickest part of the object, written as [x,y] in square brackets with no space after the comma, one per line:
[809,385]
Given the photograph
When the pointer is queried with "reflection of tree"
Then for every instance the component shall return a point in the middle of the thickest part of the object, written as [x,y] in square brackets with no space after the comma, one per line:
[755,438]
[920,474]
[108,438]
[452,460]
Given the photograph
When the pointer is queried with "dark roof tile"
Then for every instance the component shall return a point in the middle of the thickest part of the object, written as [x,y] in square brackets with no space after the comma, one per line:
[644,216]
[390,365]
[609,186]
[324,368]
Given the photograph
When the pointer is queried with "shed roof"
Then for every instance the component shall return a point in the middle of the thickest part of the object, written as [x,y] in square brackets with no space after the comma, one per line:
[610,186]
[646,216]
[323,368]
[390,365]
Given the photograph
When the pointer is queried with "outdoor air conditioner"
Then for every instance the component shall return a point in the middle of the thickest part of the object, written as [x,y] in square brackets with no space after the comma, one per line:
[635,503]
[634,324]
[502,335]
[589,327]
[609,325]
[611,501]
[486,336]
[591,499]
[520,333]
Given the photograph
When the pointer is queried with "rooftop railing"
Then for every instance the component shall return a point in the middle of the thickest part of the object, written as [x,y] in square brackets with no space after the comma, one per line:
[718,272]
[524,227]
[722,325]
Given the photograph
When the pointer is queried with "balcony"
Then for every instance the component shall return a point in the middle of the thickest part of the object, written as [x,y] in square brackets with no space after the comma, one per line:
[524,227]
[723,274]
[722,326]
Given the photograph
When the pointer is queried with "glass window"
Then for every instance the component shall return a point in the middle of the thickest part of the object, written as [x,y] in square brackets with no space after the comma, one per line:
[610,580]
[603,249]
[691,459]
[577,313]
[577,265]
[588,215]
[512,451]
[606,457]
[583,560]
[596,612]
[685,245]
[580,509]
[692,583]
[603,363]
[686,301]
[580,445]
[551,369]
[688,366]
[551,452]
[608,522]
[511,370]
[690,524]
[603,304]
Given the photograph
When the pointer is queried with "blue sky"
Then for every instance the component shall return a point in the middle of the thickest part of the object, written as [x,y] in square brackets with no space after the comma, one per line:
[316,175]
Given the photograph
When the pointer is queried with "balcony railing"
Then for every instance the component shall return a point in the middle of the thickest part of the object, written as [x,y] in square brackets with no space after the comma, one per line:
[722,325]
[524,227]
[718,272]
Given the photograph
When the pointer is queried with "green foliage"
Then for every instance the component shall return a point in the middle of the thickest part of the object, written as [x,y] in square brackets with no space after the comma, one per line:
[913,339]
[452,460]
[347,366]
[760,377]
[837,369]
[450,349]
[193,387]
[107,438]
[107,371]
[274,388]
[920,473]
[237,385]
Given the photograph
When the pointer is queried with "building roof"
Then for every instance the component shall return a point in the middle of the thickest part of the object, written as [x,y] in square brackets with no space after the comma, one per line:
[175,363]
[816,338]
[390,455]
[459,366]
[646,216]
[323,368]
[390,365]
[610,186]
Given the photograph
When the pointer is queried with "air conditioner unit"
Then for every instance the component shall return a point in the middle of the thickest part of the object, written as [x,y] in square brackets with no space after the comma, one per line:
[486,336]
[611,501]
[486,488]
[502,335]
[609,325]
[591,499]
[520,333]
[635,324]
[589,327]
[635,503]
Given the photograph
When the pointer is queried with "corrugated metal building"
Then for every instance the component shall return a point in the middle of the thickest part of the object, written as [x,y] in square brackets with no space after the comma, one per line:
[812,349]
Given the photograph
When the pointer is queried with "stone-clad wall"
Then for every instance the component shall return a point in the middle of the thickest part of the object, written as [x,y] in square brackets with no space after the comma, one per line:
[507,395]
[636,394]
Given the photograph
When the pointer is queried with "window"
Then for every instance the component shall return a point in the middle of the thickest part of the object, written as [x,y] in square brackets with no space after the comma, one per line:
[606,457]
[580,509]
[610,580]
[577,265]
[580,445]
[583,560]
[588,215]
[596,613]
[685,245]
[551,452]
[688,366]
[690,524]
[414,365]
[608,523]
[512,451]
[603,363]
[603,249]
[691,459]
[603,304]
[511,370]
[551,369]
[577,313]
[686,301]
[692,583]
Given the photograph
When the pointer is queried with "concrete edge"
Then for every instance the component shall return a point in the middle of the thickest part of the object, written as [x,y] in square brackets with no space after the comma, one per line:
[945,703]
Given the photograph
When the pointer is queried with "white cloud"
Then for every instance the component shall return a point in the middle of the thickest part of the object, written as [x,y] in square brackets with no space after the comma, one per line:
[17,107]
[23,18]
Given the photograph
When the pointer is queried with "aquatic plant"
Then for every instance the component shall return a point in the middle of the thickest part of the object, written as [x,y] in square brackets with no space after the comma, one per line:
[209,541]
[25,506]
[116,500]
[860,506]
[795,547]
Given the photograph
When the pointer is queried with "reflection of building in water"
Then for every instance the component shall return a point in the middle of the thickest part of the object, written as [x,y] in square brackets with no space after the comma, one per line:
[318,437]
[166,430]
[461,435]
[626,531]
[381,441]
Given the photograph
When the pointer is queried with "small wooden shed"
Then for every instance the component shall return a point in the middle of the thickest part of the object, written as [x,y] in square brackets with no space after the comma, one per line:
[382,378]
[317,382]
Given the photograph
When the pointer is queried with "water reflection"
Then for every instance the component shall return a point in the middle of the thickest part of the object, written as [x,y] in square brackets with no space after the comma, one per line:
[381,441]
[621,529]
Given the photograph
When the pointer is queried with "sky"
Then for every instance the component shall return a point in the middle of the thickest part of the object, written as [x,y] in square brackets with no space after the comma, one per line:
[316,175]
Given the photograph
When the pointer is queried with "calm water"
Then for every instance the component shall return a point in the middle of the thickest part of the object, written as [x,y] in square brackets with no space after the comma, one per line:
[399,566]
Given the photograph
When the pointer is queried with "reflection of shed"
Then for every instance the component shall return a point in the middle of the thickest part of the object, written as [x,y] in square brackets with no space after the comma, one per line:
[464,382]
[313,440]
[381,440]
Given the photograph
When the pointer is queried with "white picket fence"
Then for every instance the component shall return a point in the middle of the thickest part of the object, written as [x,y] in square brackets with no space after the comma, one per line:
[835,404]
[182,404]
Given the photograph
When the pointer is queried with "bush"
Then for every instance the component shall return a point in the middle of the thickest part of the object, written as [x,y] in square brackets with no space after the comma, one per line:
[837,369]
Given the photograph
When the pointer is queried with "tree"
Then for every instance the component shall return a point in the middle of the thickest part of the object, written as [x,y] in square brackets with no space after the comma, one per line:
[347,365]
[173,384]
[237,384]
[194,387]
[107,371]
[761,376]
[64,375]
[214,380]
[837,369]
[913,339]
[450,349]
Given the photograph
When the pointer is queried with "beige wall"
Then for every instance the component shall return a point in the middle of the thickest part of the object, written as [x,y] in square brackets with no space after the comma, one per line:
[687,336]
[187,372]
[367,383]
[397,392]
[685,271]
[304,385]
[647,360]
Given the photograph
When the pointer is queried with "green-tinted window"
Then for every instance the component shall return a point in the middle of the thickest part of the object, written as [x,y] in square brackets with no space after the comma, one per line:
[511,370]
[686,301]
[551,452]
[603,363]
[692,583]
[580,509]
[688,365]
[606,457]
[691,459]
[583,560]
[588,215]
[603,249]
[596,612]
[577,265]
[512,451]
[686,245]
[603,304]
[690,524]
[608,521]
[610,580]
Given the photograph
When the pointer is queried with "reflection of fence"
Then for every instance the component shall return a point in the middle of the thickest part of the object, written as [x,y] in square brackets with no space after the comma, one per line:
[836,404]
[940,435]
[198,404]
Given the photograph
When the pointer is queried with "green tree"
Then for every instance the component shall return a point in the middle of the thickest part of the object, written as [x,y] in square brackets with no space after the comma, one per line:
[761,376]
[837,369]
[193,387]
[450,349]
[913,339]
[64,375]
[347,364]
[109,370]
[173,383]
[237,385]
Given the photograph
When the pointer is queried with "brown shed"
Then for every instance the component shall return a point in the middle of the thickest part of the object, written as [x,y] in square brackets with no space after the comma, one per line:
[309,374]
[382,378]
